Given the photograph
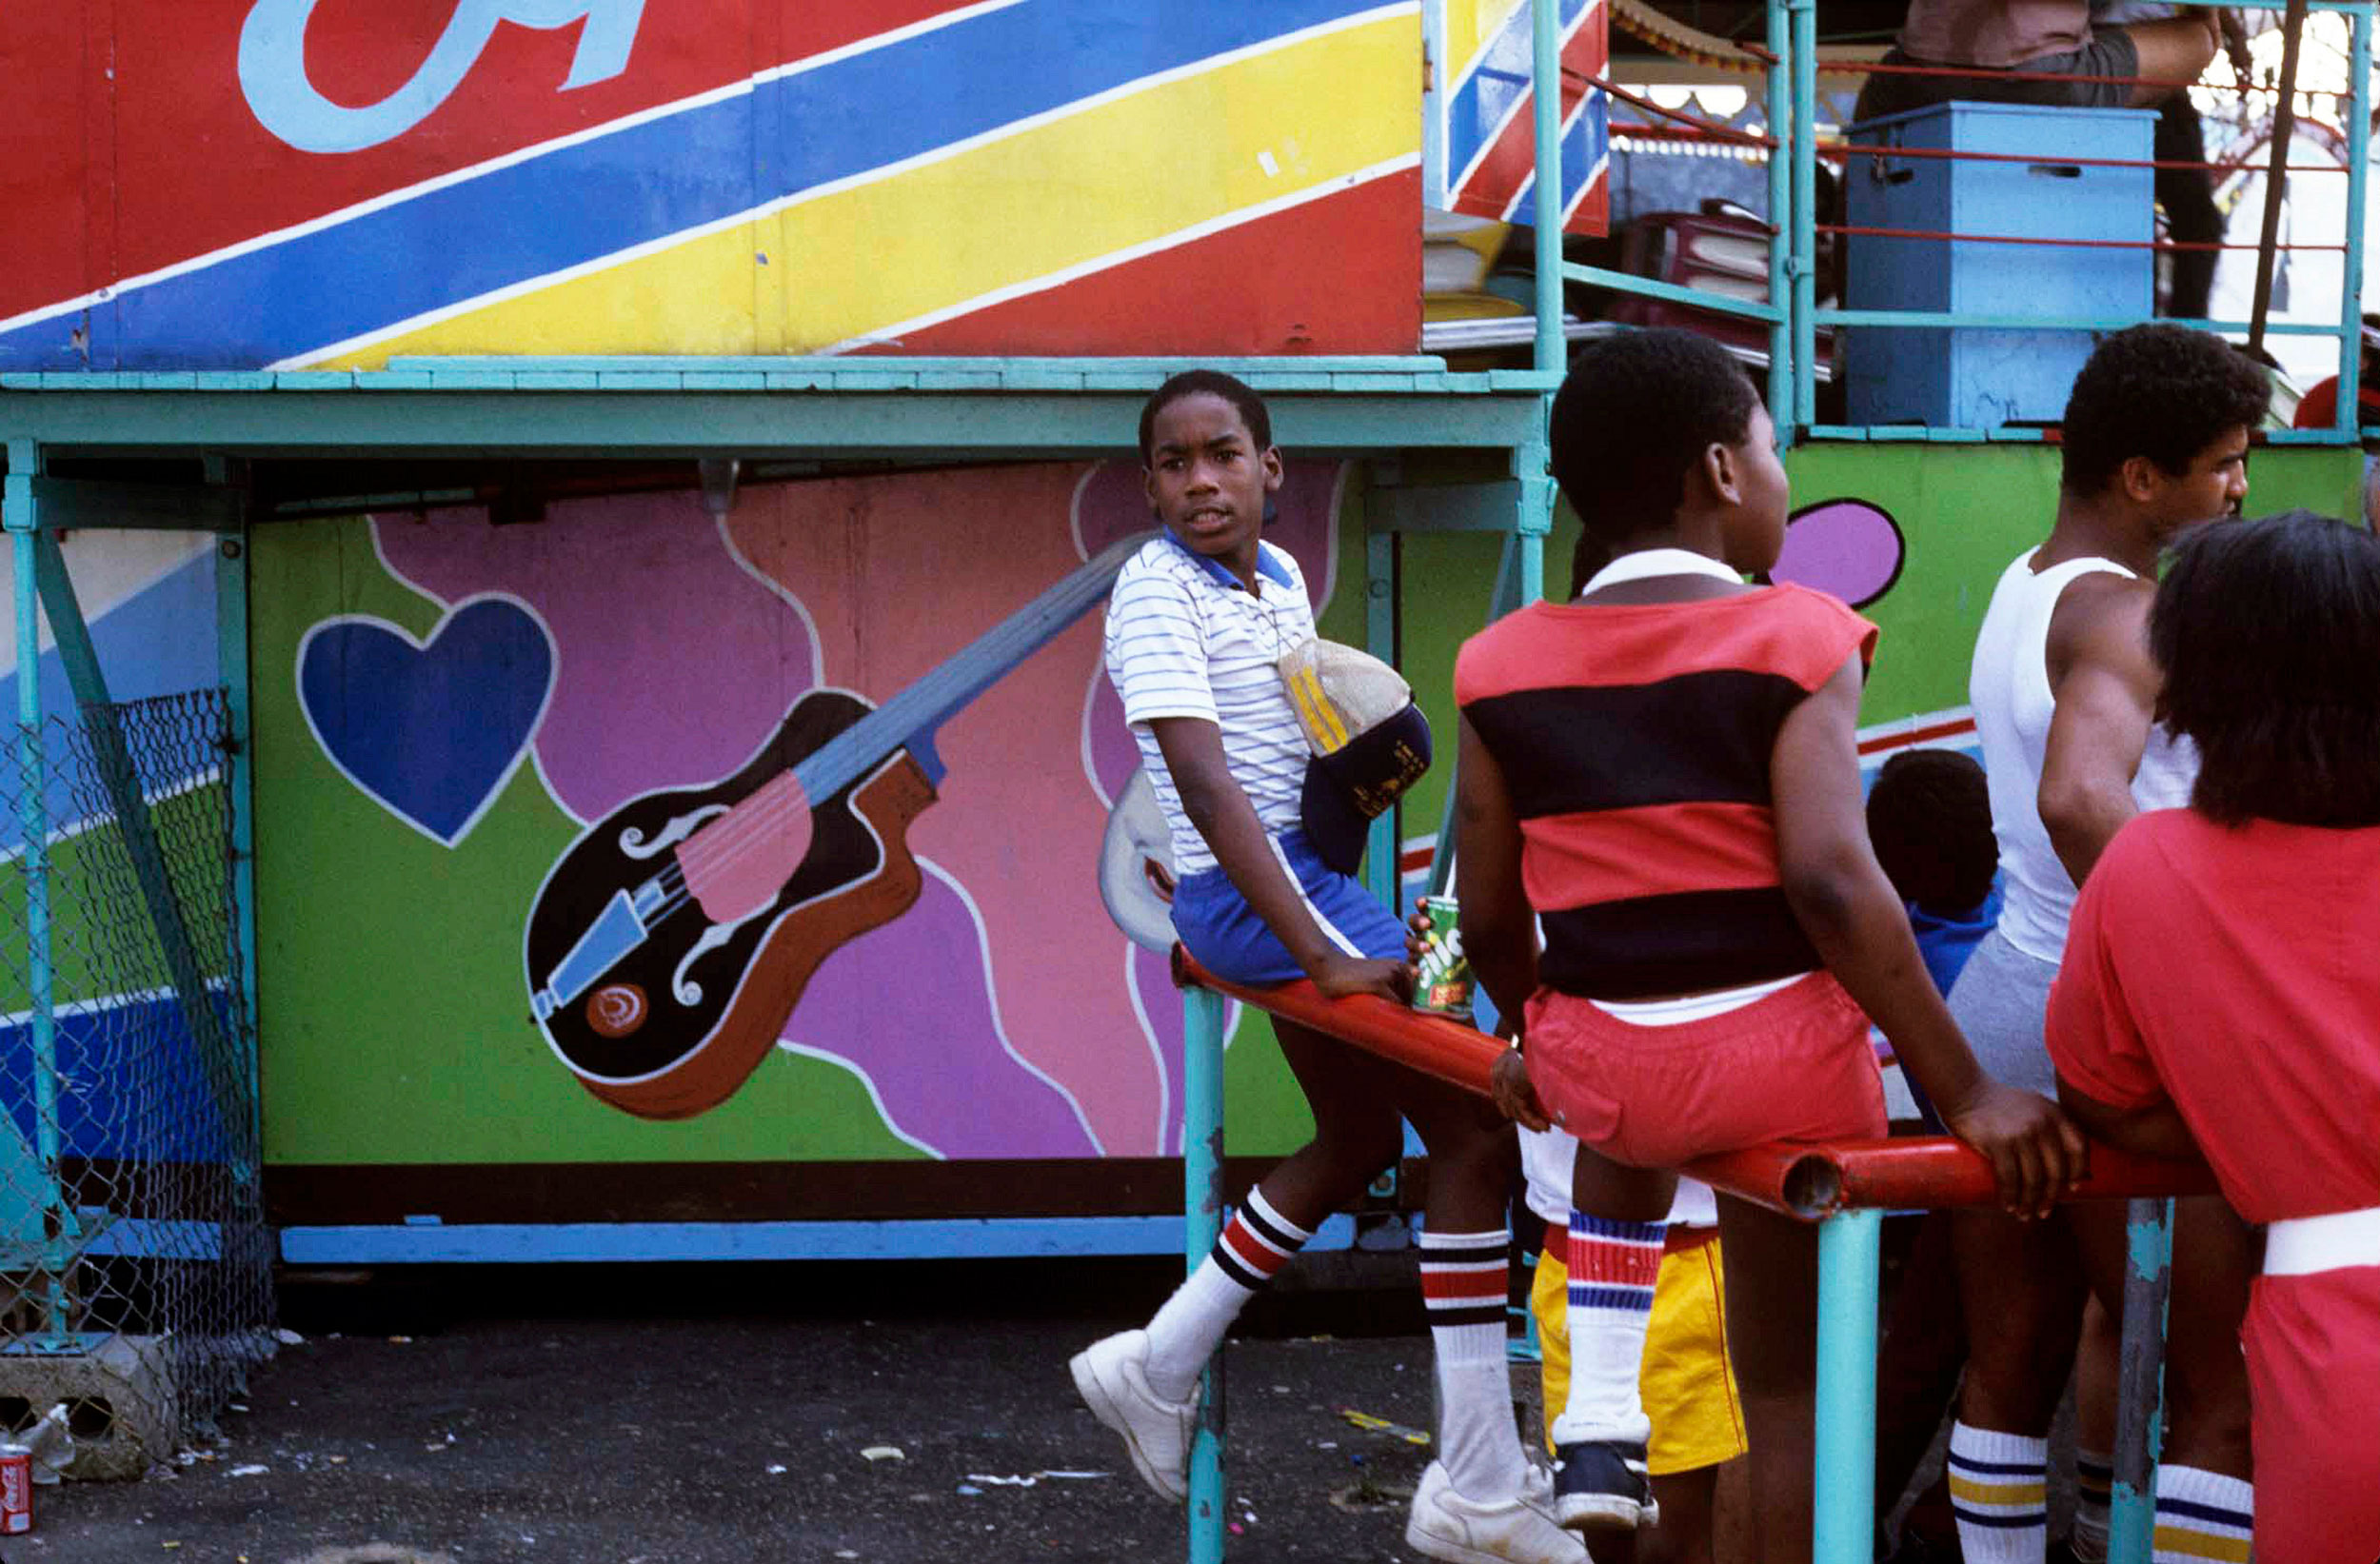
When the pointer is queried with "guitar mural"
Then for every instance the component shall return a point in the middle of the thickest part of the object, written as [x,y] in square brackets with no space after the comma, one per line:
[669,944]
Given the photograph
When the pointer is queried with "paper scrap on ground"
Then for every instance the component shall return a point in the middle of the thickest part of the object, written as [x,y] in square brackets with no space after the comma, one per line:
[1380,1425]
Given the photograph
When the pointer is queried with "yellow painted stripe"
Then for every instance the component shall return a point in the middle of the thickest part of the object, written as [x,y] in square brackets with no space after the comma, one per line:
[2034,1495]
[1322,714]
[1116,175]
[2181,1539]
[1469,26]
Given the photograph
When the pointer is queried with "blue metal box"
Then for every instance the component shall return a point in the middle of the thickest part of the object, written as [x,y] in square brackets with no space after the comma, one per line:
[1973,378]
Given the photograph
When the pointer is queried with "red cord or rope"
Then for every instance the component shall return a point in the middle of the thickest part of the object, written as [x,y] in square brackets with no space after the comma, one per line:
[1709,127]
[2028,239]
[1843,151]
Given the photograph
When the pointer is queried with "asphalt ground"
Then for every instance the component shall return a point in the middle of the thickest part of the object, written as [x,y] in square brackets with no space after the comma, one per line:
[729,1415]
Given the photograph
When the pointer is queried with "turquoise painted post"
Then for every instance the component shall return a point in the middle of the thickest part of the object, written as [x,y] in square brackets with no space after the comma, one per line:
[1546,75]
[1804,55]
[1537,508]
[1379,634]
[239,780]
[1780,112]
[18,515]
[2140,1378]
[2358,177]
[1203,1224]
[1844,1525]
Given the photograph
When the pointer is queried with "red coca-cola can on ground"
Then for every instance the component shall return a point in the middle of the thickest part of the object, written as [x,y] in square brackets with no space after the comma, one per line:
[16,1488]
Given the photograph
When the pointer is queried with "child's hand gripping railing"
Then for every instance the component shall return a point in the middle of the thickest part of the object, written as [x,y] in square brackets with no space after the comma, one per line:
[1844,1186]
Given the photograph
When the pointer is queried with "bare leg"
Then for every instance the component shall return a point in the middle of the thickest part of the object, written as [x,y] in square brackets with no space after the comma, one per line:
[1688,1502]
[2021,1292]
[2174,49]
[1771,1334]
[1352,1095]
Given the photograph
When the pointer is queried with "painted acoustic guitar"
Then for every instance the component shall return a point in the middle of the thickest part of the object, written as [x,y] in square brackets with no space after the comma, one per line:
[670,942]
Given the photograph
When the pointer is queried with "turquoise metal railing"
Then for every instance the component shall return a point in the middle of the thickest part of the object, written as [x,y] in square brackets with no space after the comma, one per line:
[1792,311]
[1845,1188]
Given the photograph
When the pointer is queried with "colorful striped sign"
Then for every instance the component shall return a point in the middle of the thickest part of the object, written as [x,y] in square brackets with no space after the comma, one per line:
[1487,113]
[286,182]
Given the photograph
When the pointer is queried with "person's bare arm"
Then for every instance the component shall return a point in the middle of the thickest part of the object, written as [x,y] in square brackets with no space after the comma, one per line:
[1499,934]
[1193,748]
[1844,904]
[2106,688]
[2156,1130]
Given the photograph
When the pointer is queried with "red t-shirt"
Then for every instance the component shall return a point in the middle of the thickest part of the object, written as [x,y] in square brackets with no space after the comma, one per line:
[2238,973]
[2319,408]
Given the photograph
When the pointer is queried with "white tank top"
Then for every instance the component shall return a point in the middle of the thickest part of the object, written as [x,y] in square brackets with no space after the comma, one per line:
[2009,688]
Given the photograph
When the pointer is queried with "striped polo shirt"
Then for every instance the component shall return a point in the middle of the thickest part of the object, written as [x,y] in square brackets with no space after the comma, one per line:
[1185,639]
[1635,742]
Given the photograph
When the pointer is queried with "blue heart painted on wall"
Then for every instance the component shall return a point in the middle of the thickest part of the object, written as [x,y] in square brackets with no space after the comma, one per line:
[431,730]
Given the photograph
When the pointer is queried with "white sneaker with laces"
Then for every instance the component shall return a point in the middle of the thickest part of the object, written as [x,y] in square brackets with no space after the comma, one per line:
[1517,1531]
[1113,1377]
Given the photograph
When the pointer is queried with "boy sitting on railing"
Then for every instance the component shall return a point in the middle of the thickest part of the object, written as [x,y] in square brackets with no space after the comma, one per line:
[2220,993]
[1664,774]
[1197,629]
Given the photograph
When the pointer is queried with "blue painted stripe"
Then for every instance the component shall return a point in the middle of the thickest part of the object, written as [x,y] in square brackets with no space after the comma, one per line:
[646,182]
[2214,1512]
[570,1242]
[1586,146]
[1627,1300]
[1583,1225]
[1497,80]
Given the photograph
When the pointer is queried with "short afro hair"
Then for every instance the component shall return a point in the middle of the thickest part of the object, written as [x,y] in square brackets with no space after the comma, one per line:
[1209,383]
[2161,391]
[1635,412]
[1930,821]
[2268,632]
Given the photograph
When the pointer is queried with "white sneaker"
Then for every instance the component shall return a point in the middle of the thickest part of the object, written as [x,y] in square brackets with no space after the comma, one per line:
[1113,1377]
[1519,1531]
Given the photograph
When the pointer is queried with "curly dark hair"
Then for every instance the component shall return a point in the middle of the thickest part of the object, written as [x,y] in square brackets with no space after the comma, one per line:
[1213,382]
[1929,820]
[1634,413]
[2268,632]
[2161,391]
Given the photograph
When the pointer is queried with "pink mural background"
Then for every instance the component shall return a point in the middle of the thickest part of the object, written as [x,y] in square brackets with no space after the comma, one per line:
[1004,1015]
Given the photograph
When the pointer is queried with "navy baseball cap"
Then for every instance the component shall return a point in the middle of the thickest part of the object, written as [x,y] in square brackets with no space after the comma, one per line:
[1368,742]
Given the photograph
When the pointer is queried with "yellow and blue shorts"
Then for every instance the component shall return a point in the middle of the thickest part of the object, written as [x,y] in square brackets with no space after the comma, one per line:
[1687,1382]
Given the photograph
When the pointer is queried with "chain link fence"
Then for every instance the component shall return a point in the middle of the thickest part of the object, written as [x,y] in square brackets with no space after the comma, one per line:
[135,1265]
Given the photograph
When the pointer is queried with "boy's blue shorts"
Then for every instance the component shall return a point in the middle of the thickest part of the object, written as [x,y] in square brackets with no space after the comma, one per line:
[1224,932]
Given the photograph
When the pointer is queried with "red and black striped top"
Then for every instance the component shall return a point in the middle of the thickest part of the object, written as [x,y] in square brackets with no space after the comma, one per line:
[1634,741]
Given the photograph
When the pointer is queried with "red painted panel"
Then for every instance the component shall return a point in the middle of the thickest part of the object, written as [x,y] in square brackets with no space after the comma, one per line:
[197,171]
[1338,275]
[45,81]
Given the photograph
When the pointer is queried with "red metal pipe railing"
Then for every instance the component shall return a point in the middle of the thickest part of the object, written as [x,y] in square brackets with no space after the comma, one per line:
[1458,1055]
[1806,1180]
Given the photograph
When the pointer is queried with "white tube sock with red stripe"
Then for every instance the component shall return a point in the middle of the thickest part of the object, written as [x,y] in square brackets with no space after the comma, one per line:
[1613,1266]
[1255,1243]
[1464,1280]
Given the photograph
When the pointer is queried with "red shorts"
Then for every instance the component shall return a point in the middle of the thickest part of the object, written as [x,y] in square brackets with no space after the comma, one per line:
[1796,1065]
[2313,1389]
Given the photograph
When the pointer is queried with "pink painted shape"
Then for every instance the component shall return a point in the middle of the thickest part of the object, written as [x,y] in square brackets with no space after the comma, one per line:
[942,558]
[1848,547]
[737,864]
[673,664]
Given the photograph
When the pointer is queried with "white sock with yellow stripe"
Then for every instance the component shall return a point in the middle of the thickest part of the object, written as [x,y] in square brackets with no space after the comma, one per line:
[2202,1516]
[2000,1493]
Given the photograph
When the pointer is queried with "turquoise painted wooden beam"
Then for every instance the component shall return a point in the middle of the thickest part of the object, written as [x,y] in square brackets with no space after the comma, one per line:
[67,503]
[1447,508]
[1009,425]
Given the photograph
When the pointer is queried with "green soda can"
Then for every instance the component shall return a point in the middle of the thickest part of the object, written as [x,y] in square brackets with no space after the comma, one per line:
[1443,985]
